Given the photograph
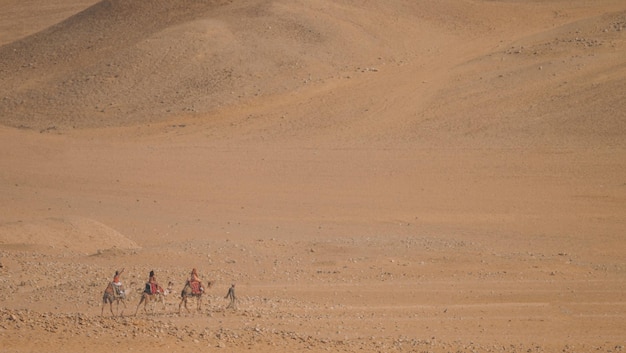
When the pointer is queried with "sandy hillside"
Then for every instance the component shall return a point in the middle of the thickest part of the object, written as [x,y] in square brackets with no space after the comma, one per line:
[375,176]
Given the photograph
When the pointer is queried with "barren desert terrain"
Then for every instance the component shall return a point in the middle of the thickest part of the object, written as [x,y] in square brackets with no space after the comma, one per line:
[374,176]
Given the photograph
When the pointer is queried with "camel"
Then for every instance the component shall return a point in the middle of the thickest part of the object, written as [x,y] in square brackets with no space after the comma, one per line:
[111,294]
[187,293]
[156,297]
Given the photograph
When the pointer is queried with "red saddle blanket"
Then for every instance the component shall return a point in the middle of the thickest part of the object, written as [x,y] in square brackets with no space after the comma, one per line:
[196,287]
[152,288]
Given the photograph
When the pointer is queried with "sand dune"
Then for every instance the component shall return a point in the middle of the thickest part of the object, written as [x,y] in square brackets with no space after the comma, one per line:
[121,63]
[75,234]
[128,62]
[556,85]
[392,176]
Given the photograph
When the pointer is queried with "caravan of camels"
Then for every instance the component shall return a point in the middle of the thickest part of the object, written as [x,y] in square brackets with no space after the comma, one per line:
[154,293]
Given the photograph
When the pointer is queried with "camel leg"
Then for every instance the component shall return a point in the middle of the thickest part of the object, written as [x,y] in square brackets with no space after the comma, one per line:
[162,300]
[110,302]
[183,301]
[155,301]
[123,307]
[106,300]
[143,299]
[149,298]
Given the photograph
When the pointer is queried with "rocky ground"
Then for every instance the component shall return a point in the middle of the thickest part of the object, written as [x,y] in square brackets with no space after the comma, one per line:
[365,301]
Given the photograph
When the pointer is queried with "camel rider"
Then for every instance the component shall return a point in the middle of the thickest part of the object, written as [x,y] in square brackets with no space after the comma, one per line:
[117,283]
[152,277]
[152,286]
[194,282]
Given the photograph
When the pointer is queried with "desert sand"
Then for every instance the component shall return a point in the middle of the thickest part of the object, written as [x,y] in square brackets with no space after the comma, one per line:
[374,176]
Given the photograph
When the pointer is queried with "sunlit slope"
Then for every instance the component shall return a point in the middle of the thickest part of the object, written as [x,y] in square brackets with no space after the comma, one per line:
[132,62]
[481,71]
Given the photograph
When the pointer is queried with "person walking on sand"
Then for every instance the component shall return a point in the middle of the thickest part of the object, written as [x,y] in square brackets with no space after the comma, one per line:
[231,295]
